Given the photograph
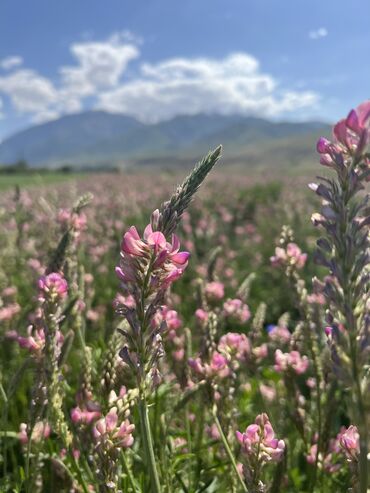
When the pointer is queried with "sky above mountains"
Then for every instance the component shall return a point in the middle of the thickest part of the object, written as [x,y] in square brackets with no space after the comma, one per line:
[154,59]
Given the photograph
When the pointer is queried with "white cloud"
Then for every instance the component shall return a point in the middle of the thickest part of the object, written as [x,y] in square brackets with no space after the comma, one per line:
[11,62]
[28,91]
[100,65]
[322,32]
[234,84]
[155,91]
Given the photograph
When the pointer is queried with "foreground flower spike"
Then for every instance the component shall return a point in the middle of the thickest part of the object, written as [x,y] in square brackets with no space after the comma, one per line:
[259,446]
[111,435]
[344,252]
[149,264]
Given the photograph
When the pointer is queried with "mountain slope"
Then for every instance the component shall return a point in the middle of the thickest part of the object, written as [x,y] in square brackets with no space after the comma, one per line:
[97,138]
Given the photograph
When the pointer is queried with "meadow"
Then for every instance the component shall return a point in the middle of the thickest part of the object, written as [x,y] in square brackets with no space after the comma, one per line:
[212,337]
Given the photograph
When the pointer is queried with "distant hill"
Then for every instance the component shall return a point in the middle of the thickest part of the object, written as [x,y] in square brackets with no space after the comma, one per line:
[97,138]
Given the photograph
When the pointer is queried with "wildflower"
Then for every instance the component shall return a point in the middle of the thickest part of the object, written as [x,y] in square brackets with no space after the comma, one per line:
[217,367]
[201,315]
[268,392]
[40,430]
[349,440]
[164,259]
[291,256]
[236,311]
[292,360]
[279,334]
[108,432]
[259,441]
[85,415]
[8,312]
[235,345]
[214,291]
[52,287]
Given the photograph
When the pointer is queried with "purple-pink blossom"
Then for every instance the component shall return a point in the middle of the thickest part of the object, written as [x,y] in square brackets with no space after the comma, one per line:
[259,441]
[107,430]
[214,291]
[235,345]
[236,311]
[349,440]
[52,287]
[291,255]
[218,366]
[292,360]
[166,260]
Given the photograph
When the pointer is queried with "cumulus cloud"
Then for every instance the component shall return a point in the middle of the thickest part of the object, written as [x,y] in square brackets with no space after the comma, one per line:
[154,91]
[322,32]
[11,62]
[99,65]
[28,91]
[234,84]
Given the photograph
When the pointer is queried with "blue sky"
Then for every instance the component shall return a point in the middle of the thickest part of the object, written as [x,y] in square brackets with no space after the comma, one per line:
[153,59]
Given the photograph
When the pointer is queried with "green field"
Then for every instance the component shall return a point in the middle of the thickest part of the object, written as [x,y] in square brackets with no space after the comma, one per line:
[32,179]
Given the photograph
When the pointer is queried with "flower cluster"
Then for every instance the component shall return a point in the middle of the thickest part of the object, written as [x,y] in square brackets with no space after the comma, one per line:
[40,431]
[351,136]
[109,433]
[217,368]
[292,360]
[35,339]
[349,440]
[52,287]
[235,346]
[151,255]
[259,441]
[235,311]
[259,446]
[290,256]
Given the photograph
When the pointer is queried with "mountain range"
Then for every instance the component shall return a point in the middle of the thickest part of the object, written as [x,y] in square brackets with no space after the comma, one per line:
[99,139]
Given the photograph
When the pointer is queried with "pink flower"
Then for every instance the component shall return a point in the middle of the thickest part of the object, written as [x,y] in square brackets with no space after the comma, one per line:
[269,393]
[292,360]
[349,440]
[214,291]
[259,442]
[217,368]
[235,345]
[236,311]
[53,287]
[167,262]
[40,430]
[85,415]
[108,432]
[351,135]
[201,315]
[292,255]
[279,334]
[8,312]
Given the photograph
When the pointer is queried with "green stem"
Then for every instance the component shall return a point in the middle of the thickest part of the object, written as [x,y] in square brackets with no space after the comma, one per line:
[78,472]
[228,451]
[128,472]
[148,445]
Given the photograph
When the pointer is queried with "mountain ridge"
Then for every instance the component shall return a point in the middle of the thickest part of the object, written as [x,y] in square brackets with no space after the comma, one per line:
[99,138]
